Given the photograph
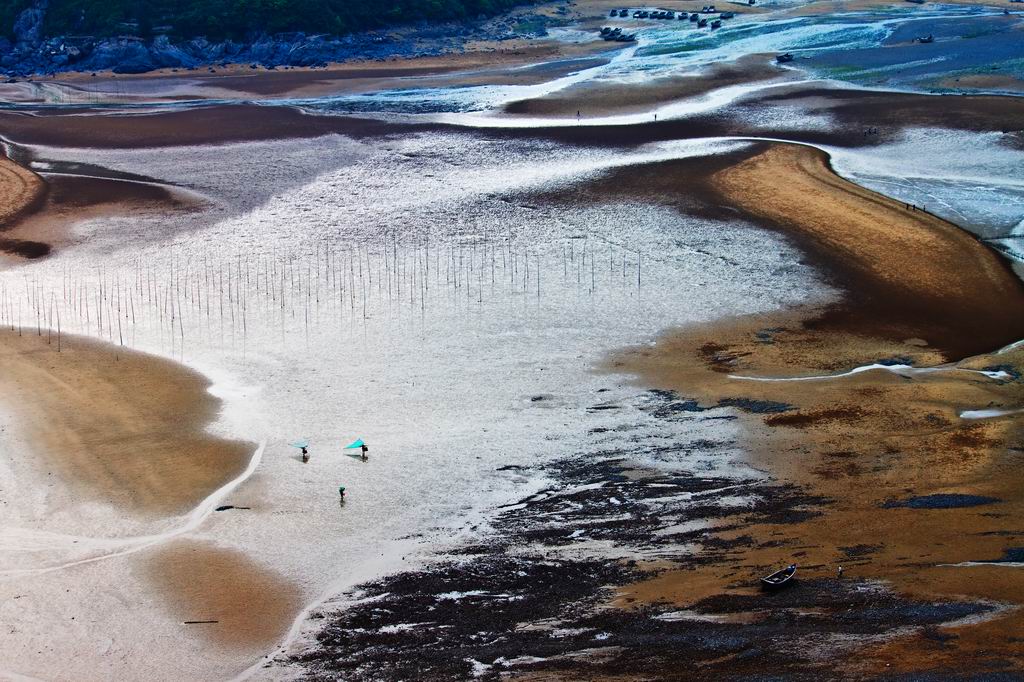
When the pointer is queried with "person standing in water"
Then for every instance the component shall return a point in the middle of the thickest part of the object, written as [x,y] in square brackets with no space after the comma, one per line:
[341,492]
[362,451]
[305,454]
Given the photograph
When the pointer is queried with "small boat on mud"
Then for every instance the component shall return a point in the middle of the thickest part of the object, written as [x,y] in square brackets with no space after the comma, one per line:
[779,579]
[926,39]
[784,58]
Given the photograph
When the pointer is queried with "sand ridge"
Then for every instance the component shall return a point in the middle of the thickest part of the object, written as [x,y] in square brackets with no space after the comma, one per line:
[869,441]
[21,192]
[121,427]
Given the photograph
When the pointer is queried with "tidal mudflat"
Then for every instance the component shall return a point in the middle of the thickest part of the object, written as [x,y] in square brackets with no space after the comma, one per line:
[624,331]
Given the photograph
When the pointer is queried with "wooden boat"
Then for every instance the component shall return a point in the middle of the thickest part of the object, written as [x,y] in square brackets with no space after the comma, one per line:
[779,579]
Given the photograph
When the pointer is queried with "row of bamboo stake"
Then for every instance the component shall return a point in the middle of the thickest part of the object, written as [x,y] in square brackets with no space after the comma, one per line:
[235,291]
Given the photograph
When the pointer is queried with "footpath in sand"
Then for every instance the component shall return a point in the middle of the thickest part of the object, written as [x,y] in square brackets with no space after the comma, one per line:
[914,488]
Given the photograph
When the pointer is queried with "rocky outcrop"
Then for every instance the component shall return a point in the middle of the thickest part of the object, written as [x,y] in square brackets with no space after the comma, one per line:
[32,54]
[28,27]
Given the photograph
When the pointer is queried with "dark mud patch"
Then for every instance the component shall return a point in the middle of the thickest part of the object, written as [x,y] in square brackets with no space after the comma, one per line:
[756,406]
[941,501]
[25,248]
[534,595]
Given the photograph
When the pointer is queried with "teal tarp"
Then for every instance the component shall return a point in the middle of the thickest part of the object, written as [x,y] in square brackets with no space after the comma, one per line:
[355,444]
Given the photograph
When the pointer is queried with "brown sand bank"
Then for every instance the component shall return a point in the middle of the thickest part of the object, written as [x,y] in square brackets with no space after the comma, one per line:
[854,112]
[36,214]
[21,192]
[252,605]
[609,99]
[896,111]
[490,63]
[873,443]
[915,275]
[219,124]
[119,427]
[72,198]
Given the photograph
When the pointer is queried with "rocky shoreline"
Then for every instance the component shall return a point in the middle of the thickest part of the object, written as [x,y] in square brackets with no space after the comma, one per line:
[30,53]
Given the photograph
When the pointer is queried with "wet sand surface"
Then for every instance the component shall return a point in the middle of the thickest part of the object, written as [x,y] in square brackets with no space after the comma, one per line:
[854,112]
[513,62]
[609,99]
[119,427]
[875,472]
[22,192]
[219,124]
[251,606]
[71,199]
[913,488]
[855,462]
[909,274]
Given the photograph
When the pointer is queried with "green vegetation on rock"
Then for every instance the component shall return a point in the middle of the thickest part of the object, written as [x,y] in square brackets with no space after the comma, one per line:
[220,19]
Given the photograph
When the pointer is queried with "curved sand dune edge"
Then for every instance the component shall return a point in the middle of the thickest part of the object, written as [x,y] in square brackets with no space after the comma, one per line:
[21,192]
[916,288]
[122,429]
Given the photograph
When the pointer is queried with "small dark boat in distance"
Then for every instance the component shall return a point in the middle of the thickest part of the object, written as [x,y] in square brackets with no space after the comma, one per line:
[778,579]
[783,58]
[926,39]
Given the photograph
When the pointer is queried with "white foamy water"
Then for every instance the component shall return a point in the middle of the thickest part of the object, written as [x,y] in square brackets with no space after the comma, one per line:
[417,293]
[972,179]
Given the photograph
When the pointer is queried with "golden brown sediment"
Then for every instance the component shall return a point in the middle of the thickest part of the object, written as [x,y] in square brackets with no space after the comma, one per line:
[253,606]
[123,428]
[119,426]
[20,190]
[611,99]
[914,287]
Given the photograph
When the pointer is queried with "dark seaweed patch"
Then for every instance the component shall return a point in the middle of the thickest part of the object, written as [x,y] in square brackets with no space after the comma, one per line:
[756,406]
[941,501]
